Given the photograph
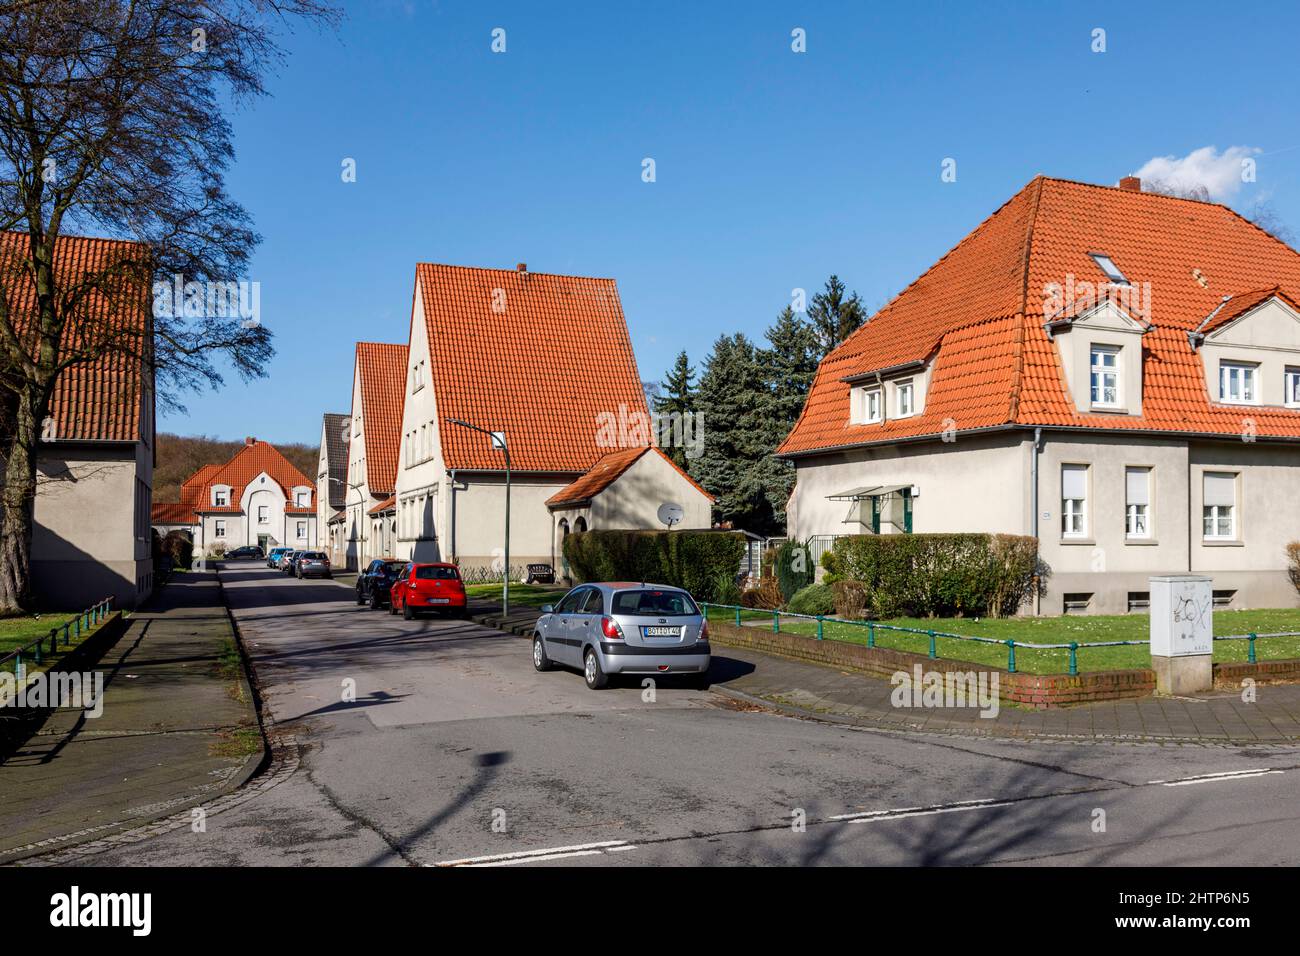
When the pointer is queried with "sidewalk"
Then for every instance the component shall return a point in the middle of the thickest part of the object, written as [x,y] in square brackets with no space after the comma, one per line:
[178,729]
[815,690]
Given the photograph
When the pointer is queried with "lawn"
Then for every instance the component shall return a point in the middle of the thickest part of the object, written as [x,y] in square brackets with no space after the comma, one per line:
[1050,630]
[532,595]
[20,630]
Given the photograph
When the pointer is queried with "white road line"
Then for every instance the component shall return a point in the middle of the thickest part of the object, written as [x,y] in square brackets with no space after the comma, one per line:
[620,849]
[533,854]
[534,859]
[1208,777]
[1222,778]
[900,812]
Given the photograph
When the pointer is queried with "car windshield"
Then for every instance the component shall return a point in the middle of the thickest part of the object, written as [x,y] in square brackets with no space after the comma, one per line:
[662,603]
[314,555]
[391,568]
[430,572]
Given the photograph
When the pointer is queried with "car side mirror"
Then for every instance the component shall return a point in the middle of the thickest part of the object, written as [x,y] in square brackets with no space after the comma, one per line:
[548,608]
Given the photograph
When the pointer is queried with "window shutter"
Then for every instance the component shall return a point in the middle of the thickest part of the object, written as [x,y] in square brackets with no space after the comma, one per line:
[1138,482]
[1220,488]
[1074,481]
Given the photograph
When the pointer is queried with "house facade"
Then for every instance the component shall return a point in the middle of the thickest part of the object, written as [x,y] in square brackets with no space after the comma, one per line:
[1116,373]
[379,371]
[545,361]
[256,498]
[95,459]
[331,483]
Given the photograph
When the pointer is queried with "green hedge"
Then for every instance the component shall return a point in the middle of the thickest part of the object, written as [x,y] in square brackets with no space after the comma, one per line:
[793,567]
[702,562]
[813,599]
[944,575]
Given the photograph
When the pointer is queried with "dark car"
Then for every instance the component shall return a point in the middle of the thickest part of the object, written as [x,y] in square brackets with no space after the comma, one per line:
[375,583]
[289,562]
[428,587]
[312,564]
[247,551]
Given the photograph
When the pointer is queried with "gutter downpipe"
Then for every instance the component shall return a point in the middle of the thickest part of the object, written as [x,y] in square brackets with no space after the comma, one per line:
[452,475]
[1033,517]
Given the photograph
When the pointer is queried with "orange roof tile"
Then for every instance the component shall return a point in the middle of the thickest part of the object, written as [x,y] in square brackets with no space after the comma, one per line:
[173,512]
[978,314]
[382,368]
[548,368]
[606,471]
[249,462]
[98,400]
[388,504]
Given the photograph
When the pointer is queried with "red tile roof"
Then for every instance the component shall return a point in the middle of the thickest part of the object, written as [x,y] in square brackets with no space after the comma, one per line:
[382,368]
[98,400]
[173,512]
[606,471]
[1234,307]
[388,504]
[978,313]
[547,369]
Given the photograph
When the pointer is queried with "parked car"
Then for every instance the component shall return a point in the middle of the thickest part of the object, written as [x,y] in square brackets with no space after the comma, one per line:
[623,628]
[286,563]
[313,564]
[274,555]
[375,583]
[427,587]
[247,551]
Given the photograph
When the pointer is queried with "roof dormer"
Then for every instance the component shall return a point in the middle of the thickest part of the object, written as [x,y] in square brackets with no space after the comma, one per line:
[1099,340]
[887,394]
[1250,349]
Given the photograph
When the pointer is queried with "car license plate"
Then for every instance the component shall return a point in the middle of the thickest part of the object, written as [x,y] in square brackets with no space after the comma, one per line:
[439,600]
[659,631]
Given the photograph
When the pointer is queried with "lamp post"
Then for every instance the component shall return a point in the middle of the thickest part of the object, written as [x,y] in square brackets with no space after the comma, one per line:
[498,440]
[361,520]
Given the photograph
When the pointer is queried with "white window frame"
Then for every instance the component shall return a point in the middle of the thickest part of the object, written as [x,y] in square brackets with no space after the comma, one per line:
[302,529]
[219,497]
[1074,511]
[1291,387]
[908,388]
[263,514]
[863,396]
[1103,370]
[1137,513]
[1249,377]
[1216,513]
[219,528]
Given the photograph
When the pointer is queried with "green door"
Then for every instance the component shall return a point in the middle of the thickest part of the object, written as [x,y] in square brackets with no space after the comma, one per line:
[907,510]
[875,514]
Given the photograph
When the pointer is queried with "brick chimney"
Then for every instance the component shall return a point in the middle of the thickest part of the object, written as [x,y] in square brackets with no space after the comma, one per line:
[250,441]
[522,267]
[1131,184]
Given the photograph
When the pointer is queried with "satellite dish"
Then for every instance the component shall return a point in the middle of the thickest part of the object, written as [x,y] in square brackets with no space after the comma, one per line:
[670,513]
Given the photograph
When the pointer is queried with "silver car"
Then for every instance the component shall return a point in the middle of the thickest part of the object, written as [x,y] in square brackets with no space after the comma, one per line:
[623,628]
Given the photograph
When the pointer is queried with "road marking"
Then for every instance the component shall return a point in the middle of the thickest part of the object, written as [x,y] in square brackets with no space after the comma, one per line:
[1216,777]
[900,812]
[547,853]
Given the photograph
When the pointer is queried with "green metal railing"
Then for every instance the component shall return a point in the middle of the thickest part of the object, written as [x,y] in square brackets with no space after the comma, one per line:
[72,629]
[874,627]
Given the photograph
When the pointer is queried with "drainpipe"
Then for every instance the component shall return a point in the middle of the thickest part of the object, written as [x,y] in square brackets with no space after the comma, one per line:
[452,475]
[1033,517]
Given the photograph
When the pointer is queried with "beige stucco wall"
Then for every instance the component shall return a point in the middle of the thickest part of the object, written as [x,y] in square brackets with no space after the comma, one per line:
[92,525]
[633,499]
[423,488]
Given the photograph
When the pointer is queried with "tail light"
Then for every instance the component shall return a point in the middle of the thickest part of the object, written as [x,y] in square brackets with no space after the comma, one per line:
[611,629]
[704,630]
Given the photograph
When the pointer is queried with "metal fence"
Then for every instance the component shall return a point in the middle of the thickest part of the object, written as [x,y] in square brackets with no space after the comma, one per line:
[874,627]
[48,644]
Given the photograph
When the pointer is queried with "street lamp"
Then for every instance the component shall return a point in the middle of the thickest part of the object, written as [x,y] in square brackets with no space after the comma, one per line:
[361,520]
[499,443]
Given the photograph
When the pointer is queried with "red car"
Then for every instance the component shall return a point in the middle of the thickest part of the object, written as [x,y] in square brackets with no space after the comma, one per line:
[428,587]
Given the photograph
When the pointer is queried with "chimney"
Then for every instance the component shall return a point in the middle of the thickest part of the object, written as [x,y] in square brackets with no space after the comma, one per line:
[522,267]
[1131,184]
[250,441]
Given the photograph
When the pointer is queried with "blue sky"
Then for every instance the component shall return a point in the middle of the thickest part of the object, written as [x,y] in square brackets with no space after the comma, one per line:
[773,168]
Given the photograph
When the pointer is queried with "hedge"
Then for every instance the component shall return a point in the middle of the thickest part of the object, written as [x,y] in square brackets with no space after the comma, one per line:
[702,562]
[943,575]
[793,568]
[813,599]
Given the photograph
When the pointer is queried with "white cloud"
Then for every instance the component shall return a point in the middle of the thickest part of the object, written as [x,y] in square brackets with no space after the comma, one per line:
[1219,173]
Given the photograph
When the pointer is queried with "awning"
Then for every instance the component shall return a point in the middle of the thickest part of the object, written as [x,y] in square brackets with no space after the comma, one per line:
[869,491]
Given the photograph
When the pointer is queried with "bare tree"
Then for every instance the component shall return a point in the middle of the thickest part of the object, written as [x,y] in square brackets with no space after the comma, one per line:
[113,123]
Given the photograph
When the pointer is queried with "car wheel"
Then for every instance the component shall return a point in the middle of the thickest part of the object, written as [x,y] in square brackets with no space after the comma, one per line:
[595,676]
[374,601]
[392,608]
[540,661]
[407,613]
[361,598]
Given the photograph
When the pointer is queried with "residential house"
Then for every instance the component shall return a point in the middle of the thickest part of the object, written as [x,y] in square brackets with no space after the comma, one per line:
[95,460]
[256,498]
[331,485]
[1114,372]
[545,361]
[379,371]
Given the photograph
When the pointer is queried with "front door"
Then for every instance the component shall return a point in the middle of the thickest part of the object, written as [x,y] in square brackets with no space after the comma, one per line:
[262,541]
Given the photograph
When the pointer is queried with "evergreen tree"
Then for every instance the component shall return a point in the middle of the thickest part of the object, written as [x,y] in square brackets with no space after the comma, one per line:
[789,365]
[675,403]
[834,318]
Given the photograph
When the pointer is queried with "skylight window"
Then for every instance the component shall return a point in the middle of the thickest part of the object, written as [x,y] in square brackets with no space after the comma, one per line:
[1112,271]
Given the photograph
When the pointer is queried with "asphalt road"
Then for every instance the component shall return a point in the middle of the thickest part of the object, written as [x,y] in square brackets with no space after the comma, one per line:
[455,751]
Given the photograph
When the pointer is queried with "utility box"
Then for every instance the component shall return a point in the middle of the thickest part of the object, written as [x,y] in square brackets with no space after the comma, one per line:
[1182,633]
